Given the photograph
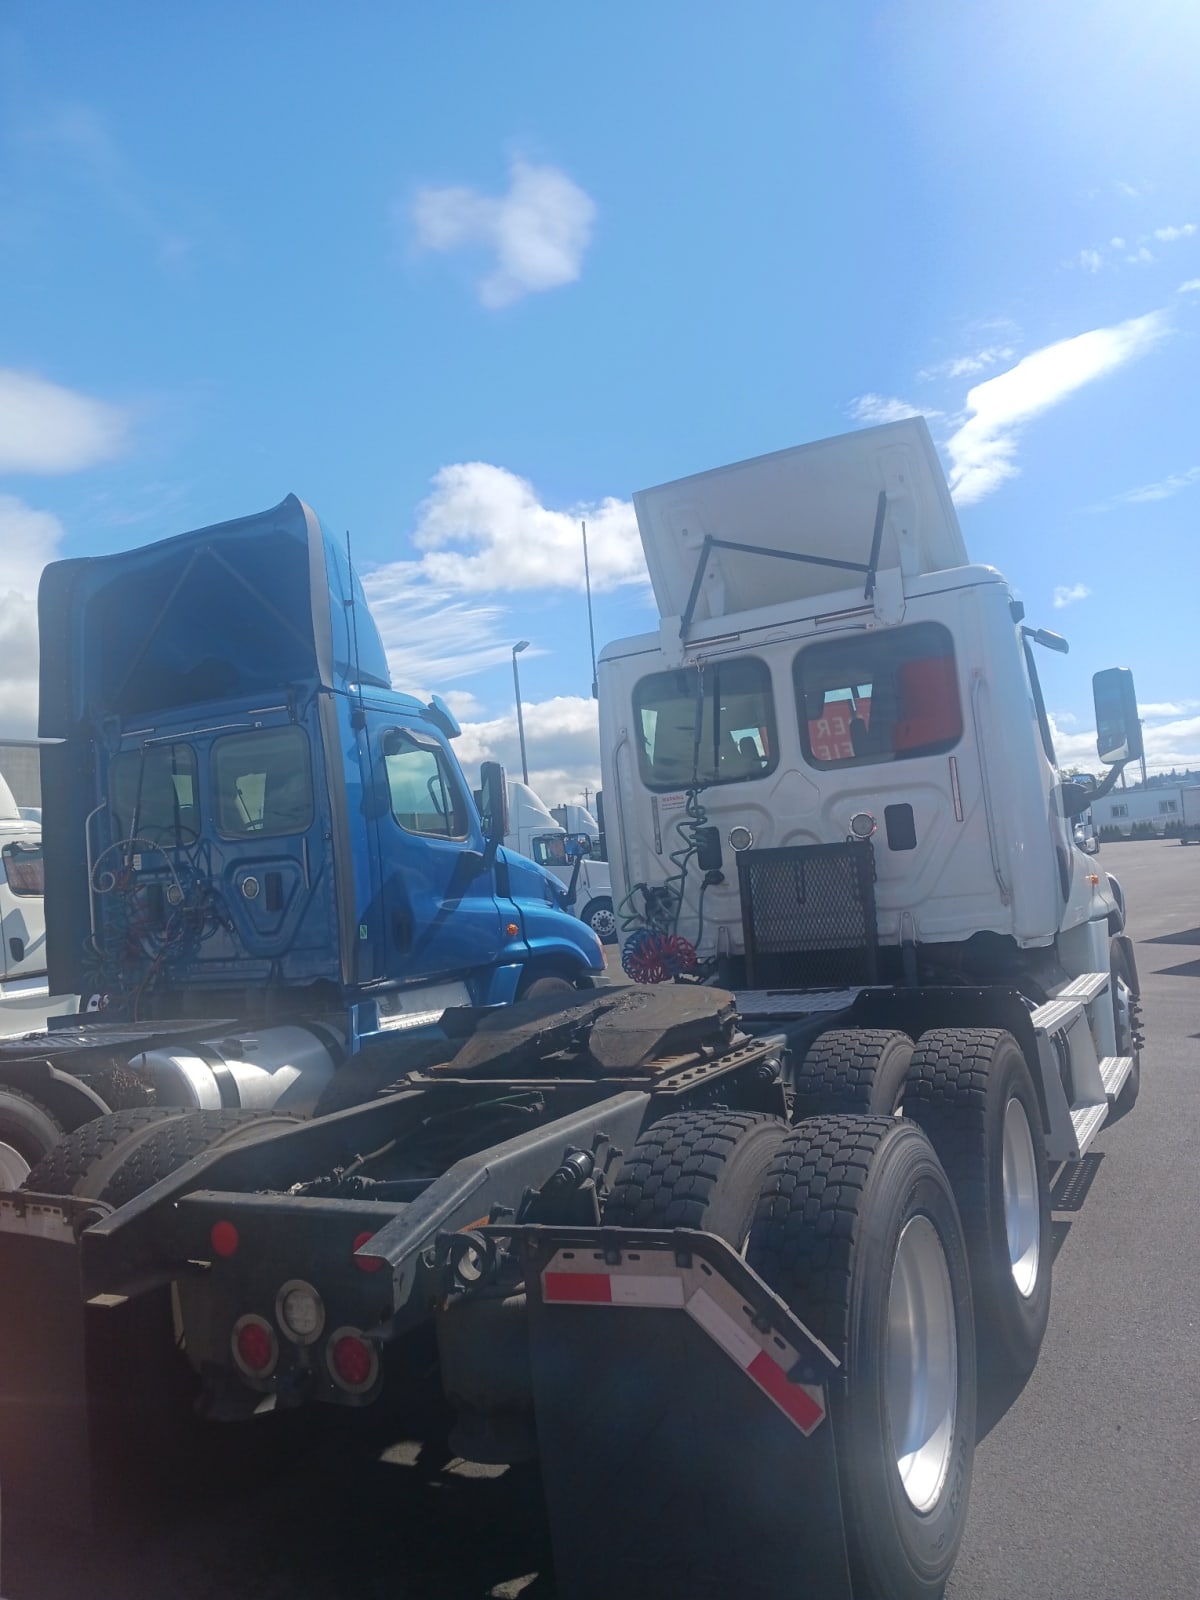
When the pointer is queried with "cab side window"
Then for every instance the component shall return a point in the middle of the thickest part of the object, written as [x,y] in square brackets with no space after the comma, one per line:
[424,793]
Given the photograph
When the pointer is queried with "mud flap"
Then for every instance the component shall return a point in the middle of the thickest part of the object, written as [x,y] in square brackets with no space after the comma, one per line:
[682,1422]
[91,1396]
[44,1451]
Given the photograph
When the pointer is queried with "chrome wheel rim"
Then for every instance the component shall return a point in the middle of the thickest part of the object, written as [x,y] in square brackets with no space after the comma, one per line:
[922,1362]
[604,924]
[1022,1207]
[14,1168]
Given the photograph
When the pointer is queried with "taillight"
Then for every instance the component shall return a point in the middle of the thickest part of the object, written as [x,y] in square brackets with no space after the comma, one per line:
[255,1347]
[352,1360]
[300,1311]
[366,1263]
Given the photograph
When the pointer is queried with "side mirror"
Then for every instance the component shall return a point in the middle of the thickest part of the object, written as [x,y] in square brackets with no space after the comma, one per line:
[493,797]
[1118,727]
[579,846]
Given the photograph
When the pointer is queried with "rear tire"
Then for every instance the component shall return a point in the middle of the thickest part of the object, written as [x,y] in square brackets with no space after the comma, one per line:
[696,1169]
[28,1132]
[972,1092]
[857,1229]
[118,1157]
[853,1071]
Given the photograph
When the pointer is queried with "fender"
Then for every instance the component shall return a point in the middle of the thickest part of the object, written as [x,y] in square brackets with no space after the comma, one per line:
[67,1097]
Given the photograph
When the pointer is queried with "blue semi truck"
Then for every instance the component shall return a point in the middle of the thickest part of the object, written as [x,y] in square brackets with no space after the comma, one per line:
[259,854]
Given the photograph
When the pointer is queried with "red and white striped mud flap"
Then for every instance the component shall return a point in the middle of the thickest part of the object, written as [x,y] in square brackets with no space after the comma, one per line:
[682,1419]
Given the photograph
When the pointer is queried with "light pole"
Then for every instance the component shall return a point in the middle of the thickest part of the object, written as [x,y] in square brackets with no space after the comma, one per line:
[522,644]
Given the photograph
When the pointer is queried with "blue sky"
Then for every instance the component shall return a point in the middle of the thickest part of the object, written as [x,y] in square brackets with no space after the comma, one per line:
[461,275]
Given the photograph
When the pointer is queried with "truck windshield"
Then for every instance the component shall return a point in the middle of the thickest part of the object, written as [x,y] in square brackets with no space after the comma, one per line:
[878,697]
[154,794]
[262,783]
[718,727]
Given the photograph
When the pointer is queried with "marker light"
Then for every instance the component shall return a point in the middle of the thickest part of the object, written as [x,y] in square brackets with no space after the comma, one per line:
[300,1311]
[366,1263]
[223,1237]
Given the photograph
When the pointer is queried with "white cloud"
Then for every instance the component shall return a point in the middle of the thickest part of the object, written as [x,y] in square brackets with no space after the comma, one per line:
[1157,710]
[1140,257]
[877,408]
[462,702]
[484,529]
[1169,235]
[431,634]
[1127,189]
[562,742]
[28,539]
[538,231]
[1091,260]
[1174,743]
[982,452]
[968,366]
[1117,243]
[1191,286]
[1067,594]
[1172,484]
[46,428]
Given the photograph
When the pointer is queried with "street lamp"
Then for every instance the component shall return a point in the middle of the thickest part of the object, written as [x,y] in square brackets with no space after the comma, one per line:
[522,644]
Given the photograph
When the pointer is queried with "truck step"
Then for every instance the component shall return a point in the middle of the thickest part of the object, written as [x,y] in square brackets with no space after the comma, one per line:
[1114,1070]
[1087,988]
[1087,1122]
[1056,1014]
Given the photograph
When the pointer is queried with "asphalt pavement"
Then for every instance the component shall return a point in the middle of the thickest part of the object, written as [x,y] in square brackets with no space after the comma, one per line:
[1087,1487]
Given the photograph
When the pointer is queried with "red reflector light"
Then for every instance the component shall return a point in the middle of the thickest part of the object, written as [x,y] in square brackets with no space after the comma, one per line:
[254,1346]
[224,1238]
[366,1263]
[353,1361]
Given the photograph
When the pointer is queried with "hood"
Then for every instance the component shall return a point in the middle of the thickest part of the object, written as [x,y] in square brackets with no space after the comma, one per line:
[817,499]
[243,608]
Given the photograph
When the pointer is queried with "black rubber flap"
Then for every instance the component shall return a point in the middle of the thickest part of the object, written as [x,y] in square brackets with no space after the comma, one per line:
[669,1475]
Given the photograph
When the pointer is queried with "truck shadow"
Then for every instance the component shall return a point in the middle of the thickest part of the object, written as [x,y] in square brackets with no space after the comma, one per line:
[1068,1192]
[312,1514]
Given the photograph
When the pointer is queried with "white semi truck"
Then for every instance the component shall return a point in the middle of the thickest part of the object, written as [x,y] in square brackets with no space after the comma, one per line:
[535,832]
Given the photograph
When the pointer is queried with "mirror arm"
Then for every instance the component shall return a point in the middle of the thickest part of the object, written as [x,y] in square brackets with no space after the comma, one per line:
[1114,772]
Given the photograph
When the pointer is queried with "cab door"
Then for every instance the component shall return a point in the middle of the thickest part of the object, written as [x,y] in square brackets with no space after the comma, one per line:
[441,917]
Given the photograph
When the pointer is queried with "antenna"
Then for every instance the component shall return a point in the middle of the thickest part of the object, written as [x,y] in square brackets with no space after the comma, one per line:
[587,578]
[360,714]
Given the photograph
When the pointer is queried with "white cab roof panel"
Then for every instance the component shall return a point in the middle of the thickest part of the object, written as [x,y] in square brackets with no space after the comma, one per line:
[817,499]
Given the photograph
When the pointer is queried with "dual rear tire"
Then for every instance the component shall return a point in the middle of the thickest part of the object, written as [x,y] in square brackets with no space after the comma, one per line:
[851,1220]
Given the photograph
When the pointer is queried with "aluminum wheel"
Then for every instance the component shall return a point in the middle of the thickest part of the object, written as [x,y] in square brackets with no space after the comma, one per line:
[922,1362]
[1022,1204]
[603,923]
[14,1168]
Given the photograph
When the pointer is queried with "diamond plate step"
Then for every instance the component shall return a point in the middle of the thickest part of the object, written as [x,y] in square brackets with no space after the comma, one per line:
[1087,988]
[1087,1122]
[1055,1014]
[1114,1070]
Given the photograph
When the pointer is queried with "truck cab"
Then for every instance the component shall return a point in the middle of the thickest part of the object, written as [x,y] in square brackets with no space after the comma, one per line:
[244,818]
